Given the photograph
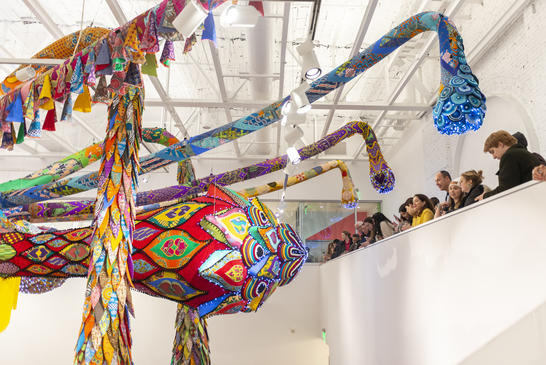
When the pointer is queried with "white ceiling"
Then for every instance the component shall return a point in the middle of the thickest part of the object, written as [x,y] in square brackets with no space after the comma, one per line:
[209,87]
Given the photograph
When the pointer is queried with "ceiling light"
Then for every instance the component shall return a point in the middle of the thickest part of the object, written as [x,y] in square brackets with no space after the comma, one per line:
[241,15]
[26,73]
[293,135]
[293,155]
[309,61]
[190,18]
[299,97]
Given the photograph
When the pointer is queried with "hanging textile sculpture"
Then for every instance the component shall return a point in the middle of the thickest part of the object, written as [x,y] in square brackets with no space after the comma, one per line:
[381,178]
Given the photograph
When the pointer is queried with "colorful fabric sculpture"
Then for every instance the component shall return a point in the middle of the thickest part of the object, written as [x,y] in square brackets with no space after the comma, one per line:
[60,49]
[460,106]
[243,253]
[348,196]
[218,254]
[104,335]
[381,177]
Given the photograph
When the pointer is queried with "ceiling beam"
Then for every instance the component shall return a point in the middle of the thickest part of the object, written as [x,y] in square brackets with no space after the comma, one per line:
[31,61]
[284,45]
[61,141]
[117,12]
[253,104]
[42,15]
[362,30]
[454,8]
[222,89]
[322,157]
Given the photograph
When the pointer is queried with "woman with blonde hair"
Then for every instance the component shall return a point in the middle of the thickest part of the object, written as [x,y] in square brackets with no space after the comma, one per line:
[454,202]
[471,185]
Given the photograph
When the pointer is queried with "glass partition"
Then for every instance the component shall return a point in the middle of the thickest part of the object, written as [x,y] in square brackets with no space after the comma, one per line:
[320,222]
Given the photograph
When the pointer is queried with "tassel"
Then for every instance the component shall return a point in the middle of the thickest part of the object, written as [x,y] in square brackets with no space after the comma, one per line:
[9,290]
[50,120]
[116,83]
[28,107]
[133,75]
[7,141]
[210,30]
[92,78]
[13,135]
[102,95]
[15,110]
[104,60]
[90,64]
[150,67]
[44,100]
[22,133]
[118,55]
[76,81]
[25,90]
[149,42]
[83,102]
[66,113]
[168,53]
[132,45]
[188,45]
[60,89]
[35,130]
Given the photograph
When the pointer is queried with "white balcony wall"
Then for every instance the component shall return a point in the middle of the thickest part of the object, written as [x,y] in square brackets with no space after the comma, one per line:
[441,291]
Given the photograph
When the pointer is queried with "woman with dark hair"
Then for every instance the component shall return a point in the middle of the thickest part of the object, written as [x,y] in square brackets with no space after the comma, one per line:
[347,241]
[404,221]
[330,251]
[421,210]
[471,184]
[382,226]
[356,242]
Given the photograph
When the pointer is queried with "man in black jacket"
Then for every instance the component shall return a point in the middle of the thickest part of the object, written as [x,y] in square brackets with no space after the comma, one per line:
[516,163]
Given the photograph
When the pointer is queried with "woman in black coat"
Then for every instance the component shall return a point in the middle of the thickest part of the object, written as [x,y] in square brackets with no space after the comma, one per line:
[471,185]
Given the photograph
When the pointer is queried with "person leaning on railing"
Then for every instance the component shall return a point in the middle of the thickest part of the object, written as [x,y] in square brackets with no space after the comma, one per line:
[421,210]
[539,172]
[471,184]
[453,203]
[404,221]
[516,162]
[383,227]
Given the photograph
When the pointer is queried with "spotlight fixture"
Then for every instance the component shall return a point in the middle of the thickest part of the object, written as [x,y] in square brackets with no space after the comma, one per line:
[290,116]
[293,155]
[241,15]
[190,18]
[309,61]
[291,137]
[26,73]
[299,98]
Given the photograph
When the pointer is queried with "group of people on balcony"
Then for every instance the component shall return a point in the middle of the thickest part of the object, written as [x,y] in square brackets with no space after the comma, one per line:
[517,165]
[370,230]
